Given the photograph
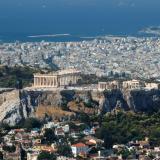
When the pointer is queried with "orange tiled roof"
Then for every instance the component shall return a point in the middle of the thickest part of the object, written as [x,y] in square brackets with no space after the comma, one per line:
[48,148]
[90,143]
[79,145]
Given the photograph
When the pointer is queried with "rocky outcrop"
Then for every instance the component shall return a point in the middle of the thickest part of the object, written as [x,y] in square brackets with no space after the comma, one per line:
[16,106]
[144,101]
[135,100]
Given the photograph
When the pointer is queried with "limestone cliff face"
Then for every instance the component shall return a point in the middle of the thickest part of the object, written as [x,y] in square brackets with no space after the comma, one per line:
[144,101]
[116,98]
[135,100]
[16,106]
[50,98]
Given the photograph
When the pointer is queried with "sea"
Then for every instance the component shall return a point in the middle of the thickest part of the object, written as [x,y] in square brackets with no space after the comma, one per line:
[75,20]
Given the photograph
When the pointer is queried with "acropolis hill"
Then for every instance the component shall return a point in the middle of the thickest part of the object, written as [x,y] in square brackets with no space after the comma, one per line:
[60,93]
[16,106]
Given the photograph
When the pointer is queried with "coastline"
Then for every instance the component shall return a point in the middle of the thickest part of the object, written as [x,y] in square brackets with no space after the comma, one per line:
[67,37]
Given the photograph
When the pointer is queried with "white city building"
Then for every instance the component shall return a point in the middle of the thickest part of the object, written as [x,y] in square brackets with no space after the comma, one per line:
[79,148]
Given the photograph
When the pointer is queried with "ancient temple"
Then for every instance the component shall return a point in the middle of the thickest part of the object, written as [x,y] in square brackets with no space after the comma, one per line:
[57,79]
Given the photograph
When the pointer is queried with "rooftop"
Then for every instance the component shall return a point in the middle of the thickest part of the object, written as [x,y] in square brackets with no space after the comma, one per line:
[78,145]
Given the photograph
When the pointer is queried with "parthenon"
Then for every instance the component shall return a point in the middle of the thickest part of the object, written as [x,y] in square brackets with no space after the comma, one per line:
[57,79]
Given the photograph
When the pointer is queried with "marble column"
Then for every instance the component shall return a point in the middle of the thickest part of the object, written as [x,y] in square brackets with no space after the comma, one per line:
[68,79]
[74,79]
[39,81]
[62,81]
[34,81]
[51,81]
[54,82]
[48,82]
[45,81]
[65,81]
[58,81]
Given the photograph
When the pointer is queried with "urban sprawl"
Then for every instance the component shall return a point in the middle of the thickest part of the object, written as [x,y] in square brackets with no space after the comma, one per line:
[138,57]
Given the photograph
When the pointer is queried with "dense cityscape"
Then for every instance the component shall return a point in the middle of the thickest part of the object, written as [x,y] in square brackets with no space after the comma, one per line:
[138,57]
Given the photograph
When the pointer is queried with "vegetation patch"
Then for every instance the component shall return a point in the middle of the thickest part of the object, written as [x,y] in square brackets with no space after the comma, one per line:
[9,76]
[122,127]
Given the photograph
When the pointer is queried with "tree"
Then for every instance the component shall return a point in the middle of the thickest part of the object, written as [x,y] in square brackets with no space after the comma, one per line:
[19,84]
[128,126]
[49,136]
[46,156]
[151,156]
[5,126]
[125,153]
[65,150]
[9,148]
[108,141]
[1,155]
[84,118]
[31,123]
